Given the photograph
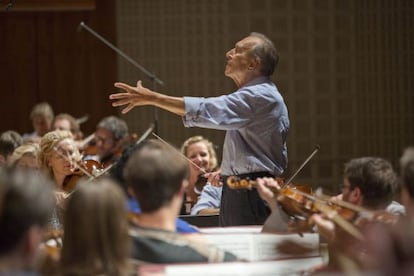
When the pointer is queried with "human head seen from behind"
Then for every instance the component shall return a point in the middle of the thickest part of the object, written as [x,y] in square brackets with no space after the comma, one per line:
[26,156]
[9,141]
[156,174]
[96,230]
[26,202]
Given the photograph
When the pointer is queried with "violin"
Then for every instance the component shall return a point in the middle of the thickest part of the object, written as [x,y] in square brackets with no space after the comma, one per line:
[85,168]
[299,203]
[200,183]
[295,199]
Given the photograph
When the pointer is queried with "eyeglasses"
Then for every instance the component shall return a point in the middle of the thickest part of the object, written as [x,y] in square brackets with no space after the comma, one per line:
[104,140]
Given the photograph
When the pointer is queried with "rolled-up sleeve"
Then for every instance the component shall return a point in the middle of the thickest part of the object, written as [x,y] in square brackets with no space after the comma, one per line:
[225,112]
[210,198]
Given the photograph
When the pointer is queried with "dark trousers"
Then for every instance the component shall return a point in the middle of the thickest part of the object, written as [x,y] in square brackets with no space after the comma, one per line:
[243,207]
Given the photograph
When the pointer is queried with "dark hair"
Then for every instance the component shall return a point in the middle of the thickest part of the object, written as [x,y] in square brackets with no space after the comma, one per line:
[26,199]
[407,170]
[375,178]
[155,172]
[267,54]
[9,141]
[117,126]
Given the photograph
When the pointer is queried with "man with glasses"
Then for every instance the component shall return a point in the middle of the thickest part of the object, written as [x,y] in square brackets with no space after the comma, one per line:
[110,137]
[369,182]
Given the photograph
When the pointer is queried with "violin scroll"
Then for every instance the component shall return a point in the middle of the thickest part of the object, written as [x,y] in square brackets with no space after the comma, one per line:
[235,182]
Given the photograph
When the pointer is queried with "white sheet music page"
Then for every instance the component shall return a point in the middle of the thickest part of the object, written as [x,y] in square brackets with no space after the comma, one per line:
[261,247]
[280,267]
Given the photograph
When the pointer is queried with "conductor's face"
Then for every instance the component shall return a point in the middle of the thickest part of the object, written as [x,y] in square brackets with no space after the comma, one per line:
[240,58]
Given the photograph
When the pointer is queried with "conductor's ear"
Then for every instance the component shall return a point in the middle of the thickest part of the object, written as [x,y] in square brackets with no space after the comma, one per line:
[254,63]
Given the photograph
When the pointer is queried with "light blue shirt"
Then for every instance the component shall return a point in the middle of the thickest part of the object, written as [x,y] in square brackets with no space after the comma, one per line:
[256,121]
[210,198]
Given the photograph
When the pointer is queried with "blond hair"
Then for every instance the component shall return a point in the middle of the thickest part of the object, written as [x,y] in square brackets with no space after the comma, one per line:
[30,149]
[42,109]
[48,145]
[212,163]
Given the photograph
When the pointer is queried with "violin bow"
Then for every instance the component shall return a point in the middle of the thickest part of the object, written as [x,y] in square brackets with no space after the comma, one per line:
[315,150]
[340,203]
[339,220]
[73,162]
[179,153]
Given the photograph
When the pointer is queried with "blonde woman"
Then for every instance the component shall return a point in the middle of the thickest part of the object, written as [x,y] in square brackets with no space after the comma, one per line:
[57,151]
[201,199]
[96,238]
[25,156]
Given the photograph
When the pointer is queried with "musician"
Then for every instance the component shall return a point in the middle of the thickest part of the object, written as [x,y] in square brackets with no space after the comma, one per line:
[158,177]
[96,240]
[9,141]
[255,118]
[42,117]
[26,200]
[203,198]
[25,156]
[57,151]
[110,138]
[390,248]
[64,121]
[368,182]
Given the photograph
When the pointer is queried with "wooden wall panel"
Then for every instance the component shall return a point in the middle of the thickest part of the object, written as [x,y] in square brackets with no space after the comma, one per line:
[48,5]
[45,58]
[346,70]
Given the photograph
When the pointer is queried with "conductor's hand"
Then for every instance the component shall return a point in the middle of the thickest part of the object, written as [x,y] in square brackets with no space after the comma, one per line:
[133,96]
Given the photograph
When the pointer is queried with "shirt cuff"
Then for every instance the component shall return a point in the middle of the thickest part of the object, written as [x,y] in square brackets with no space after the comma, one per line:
[192,110]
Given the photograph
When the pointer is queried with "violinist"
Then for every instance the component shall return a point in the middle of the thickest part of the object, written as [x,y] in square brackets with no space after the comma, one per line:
[202,197]
[57,151]
[64,121]
[368,182]
[254,117]
[111,136]
[26,199]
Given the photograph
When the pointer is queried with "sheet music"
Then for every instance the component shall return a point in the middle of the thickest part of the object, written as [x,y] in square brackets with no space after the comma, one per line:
[235,229]
[261,247]
[281,267]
